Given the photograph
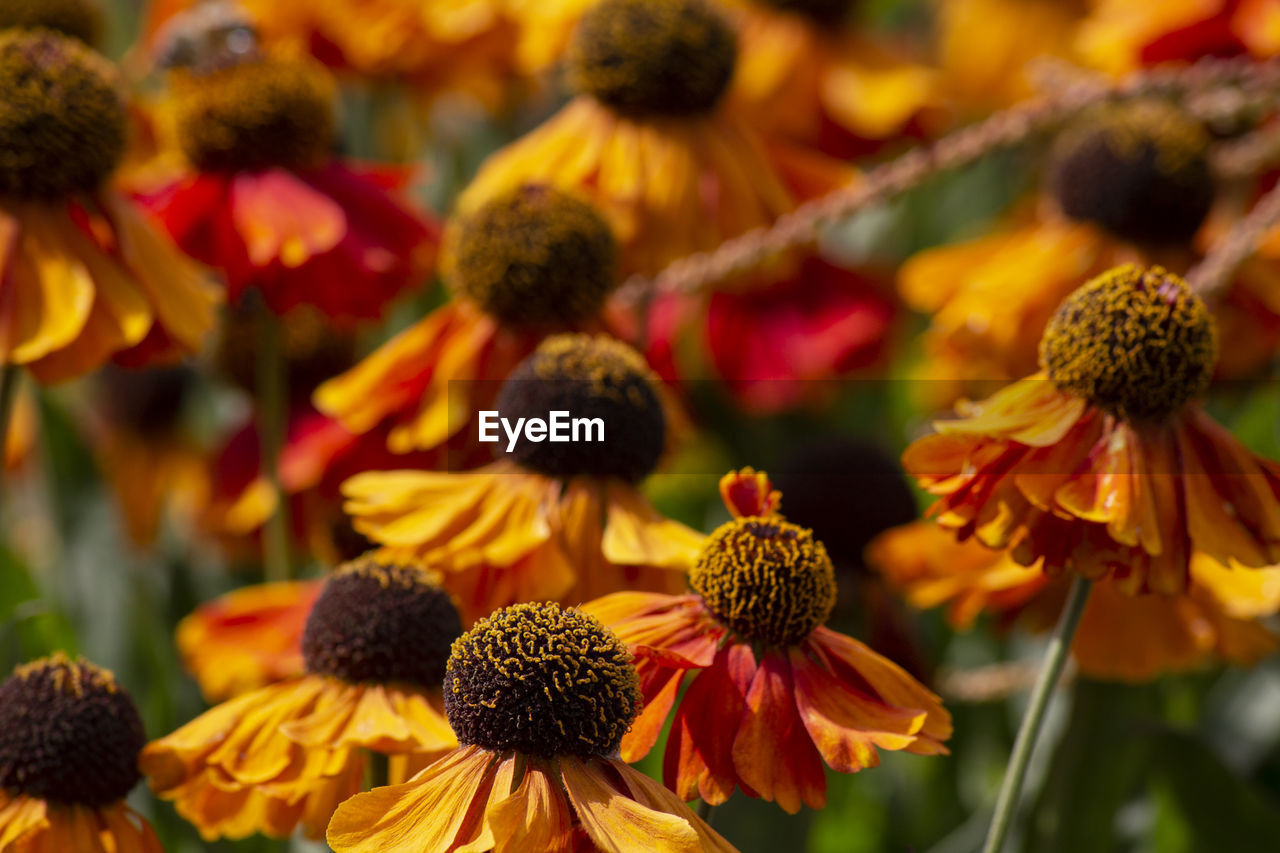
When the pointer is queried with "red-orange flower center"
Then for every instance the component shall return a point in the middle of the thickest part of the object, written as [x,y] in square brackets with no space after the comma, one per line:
[259,114]
[765,579]
[68,734]
[62,119]
[654,57]
[535,257]
[1139,170]
[381,623]
[1135,342]
[543,681]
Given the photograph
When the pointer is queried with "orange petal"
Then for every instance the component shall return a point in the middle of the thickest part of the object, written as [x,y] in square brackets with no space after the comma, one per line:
[439,810]
[615,821]
[772,751]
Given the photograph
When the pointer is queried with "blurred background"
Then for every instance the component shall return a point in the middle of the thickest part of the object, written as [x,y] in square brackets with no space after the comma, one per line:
[1186,763]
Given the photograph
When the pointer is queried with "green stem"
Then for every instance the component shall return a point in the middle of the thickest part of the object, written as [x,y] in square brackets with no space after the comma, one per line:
[704,811]
[1050,671]
[377,770]
[272,420]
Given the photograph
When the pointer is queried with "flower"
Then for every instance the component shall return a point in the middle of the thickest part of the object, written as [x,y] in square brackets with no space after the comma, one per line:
[779,340]
[986,46]
[1102,464]
[148,457]
[1120,637]
[1122,186]
[546,520]
[69,742]
[287,754]
[644,139]
[540,698]
[248,638]
[772,694]
[83,277]
[432,47]
[1119,37]
[528,263]
[264,200]
[807,73]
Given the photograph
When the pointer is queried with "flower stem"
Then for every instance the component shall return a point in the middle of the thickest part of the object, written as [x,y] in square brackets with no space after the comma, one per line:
[377,770]
[272,404]
[704,811]
[1051,670]
[9,378]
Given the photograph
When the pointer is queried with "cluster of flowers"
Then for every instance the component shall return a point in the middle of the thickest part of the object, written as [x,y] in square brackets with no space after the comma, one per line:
[506,630]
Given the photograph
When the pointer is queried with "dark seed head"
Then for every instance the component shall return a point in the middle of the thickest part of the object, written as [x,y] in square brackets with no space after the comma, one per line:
[654,57]
[381,623]
[599,382]
[542,681]
[69,734]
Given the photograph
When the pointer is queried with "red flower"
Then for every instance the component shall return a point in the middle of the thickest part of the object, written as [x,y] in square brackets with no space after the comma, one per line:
[333,236]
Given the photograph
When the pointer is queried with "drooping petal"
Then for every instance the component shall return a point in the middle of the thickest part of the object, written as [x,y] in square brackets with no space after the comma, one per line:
[772,752]
[440,809]
[615,821]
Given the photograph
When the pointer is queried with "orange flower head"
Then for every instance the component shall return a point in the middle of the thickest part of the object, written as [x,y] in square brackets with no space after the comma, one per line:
[592,377]
[772,693]
[1136,343]
[79,19]
[765,579]
[68,734]
[62,120]
[1103,463]
[1141,171]
[284,756]
[541,680]
[640,57]
[381,623]
[540,698]
[257,114]
[534,257]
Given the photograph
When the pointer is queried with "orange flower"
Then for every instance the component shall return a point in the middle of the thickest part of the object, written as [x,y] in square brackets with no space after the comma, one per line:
[1101,464]
[530,262]
[152,463]
[1120,36]
[83,277]
[1120,637]
[1130,186]
[262,198]
[548,520]
[807,73]
[286,755]
[68,758]
[247,638]
[772,694]
[986,46]
[432,46]
[540,698]
[644,140]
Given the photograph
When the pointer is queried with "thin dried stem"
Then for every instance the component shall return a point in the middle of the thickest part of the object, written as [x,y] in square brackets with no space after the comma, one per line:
[1214,273]
[1248,156]
[1207,88]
